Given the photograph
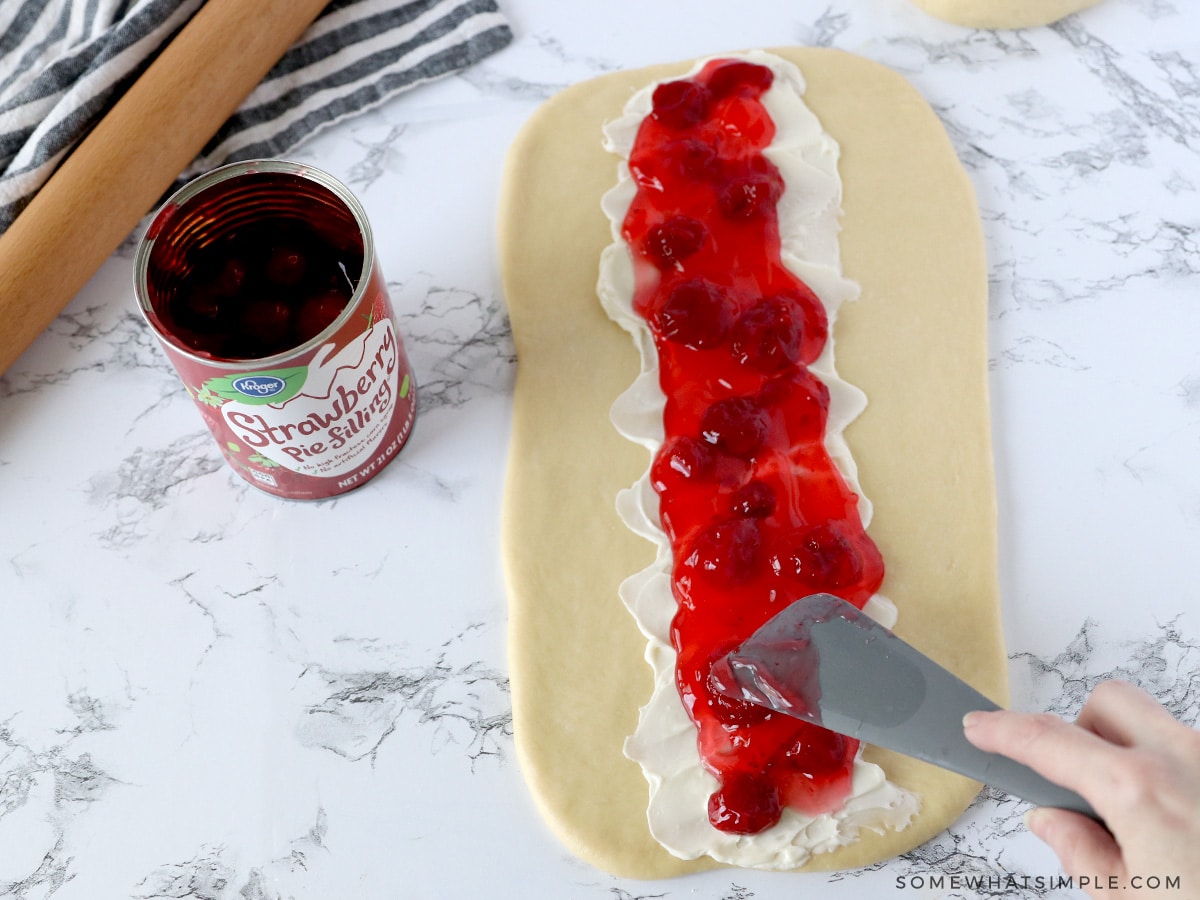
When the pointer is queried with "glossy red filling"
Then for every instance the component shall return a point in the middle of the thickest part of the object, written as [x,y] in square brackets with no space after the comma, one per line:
[757,513]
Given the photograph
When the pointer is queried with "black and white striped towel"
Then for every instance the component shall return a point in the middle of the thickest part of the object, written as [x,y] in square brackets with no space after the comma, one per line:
[64,63]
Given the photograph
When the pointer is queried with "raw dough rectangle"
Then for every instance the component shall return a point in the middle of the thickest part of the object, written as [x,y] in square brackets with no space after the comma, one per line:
[915,342]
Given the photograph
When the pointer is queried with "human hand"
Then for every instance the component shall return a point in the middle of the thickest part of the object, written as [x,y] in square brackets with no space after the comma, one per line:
[1140,770]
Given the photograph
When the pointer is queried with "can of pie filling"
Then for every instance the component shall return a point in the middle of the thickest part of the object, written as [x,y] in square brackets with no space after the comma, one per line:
[261,282]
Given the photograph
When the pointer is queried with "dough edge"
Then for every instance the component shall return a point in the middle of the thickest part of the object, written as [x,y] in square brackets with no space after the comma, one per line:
[573,648]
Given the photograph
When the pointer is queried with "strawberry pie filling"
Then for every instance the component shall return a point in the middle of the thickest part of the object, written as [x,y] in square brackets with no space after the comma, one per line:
[755,510]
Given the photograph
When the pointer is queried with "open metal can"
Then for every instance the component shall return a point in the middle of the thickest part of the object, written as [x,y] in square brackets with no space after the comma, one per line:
[260,280]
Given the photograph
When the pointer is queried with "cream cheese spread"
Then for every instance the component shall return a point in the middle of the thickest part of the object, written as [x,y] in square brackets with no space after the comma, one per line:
[664,742]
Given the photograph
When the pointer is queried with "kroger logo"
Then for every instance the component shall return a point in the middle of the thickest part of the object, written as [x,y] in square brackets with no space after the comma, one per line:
[259,385]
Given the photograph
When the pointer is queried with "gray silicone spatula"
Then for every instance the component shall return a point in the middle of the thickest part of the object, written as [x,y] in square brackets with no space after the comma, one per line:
[823,660]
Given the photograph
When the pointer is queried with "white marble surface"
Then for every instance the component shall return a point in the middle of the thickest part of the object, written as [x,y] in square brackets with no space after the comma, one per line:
[208,693]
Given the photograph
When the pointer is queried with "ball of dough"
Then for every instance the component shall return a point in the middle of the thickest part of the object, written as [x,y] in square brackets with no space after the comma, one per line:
[1002,13]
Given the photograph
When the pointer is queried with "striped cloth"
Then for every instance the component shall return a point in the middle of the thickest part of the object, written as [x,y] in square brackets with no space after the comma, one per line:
[64,63]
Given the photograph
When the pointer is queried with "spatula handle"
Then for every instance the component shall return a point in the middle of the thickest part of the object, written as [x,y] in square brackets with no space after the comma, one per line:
[1023,782]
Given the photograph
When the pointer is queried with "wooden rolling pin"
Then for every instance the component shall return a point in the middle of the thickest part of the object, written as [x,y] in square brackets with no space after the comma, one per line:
[130,159]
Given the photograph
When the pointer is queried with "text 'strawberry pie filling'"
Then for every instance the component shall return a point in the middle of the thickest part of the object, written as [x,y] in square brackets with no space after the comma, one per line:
[725,269]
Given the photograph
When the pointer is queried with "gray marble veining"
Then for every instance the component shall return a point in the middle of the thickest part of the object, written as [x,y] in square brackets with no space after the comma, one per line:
[209,694]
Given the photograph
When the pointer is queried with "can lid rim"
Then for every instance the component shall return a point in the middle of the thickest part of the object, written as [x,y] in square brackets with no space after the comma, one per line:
[216,176]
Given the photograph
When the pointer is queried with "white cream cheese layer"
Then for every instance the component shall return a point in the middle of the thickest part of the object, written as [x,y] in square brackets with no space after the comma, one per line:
[664,743]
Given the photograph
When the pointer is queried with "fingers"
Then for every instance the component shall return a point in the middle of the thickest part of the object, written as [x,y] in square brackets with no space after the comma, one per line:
[1048,745]
[1130,758]
[1082,845]
[1125,715]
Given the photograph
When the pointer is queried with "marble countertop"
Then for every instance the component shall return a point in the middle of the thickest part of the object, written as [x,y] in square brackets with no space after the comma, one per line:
[206,692]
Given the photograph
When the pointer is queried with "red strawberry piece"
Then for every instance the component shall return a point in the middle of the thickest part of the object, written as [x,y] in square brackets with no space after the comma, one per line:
[674,240]
[744,804]
[736,77]
[318,312]
[198,307]
[231,277]
[738,425]
[749,196]
[727,551]
[736,714]
[768,336]
[680,104]
[818,753]
[696,314]
[286,264]
[776,391]
[803,401]
[206,344]
[693,158]
[821,557]
[681,458]
[814,329]
[755,500]
[731,712]
[266,323]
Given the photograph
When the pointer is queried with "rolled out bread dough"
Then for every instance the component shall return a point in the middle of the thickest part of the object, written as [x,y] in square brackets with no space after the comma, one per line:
[915,342]
[1003,13]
